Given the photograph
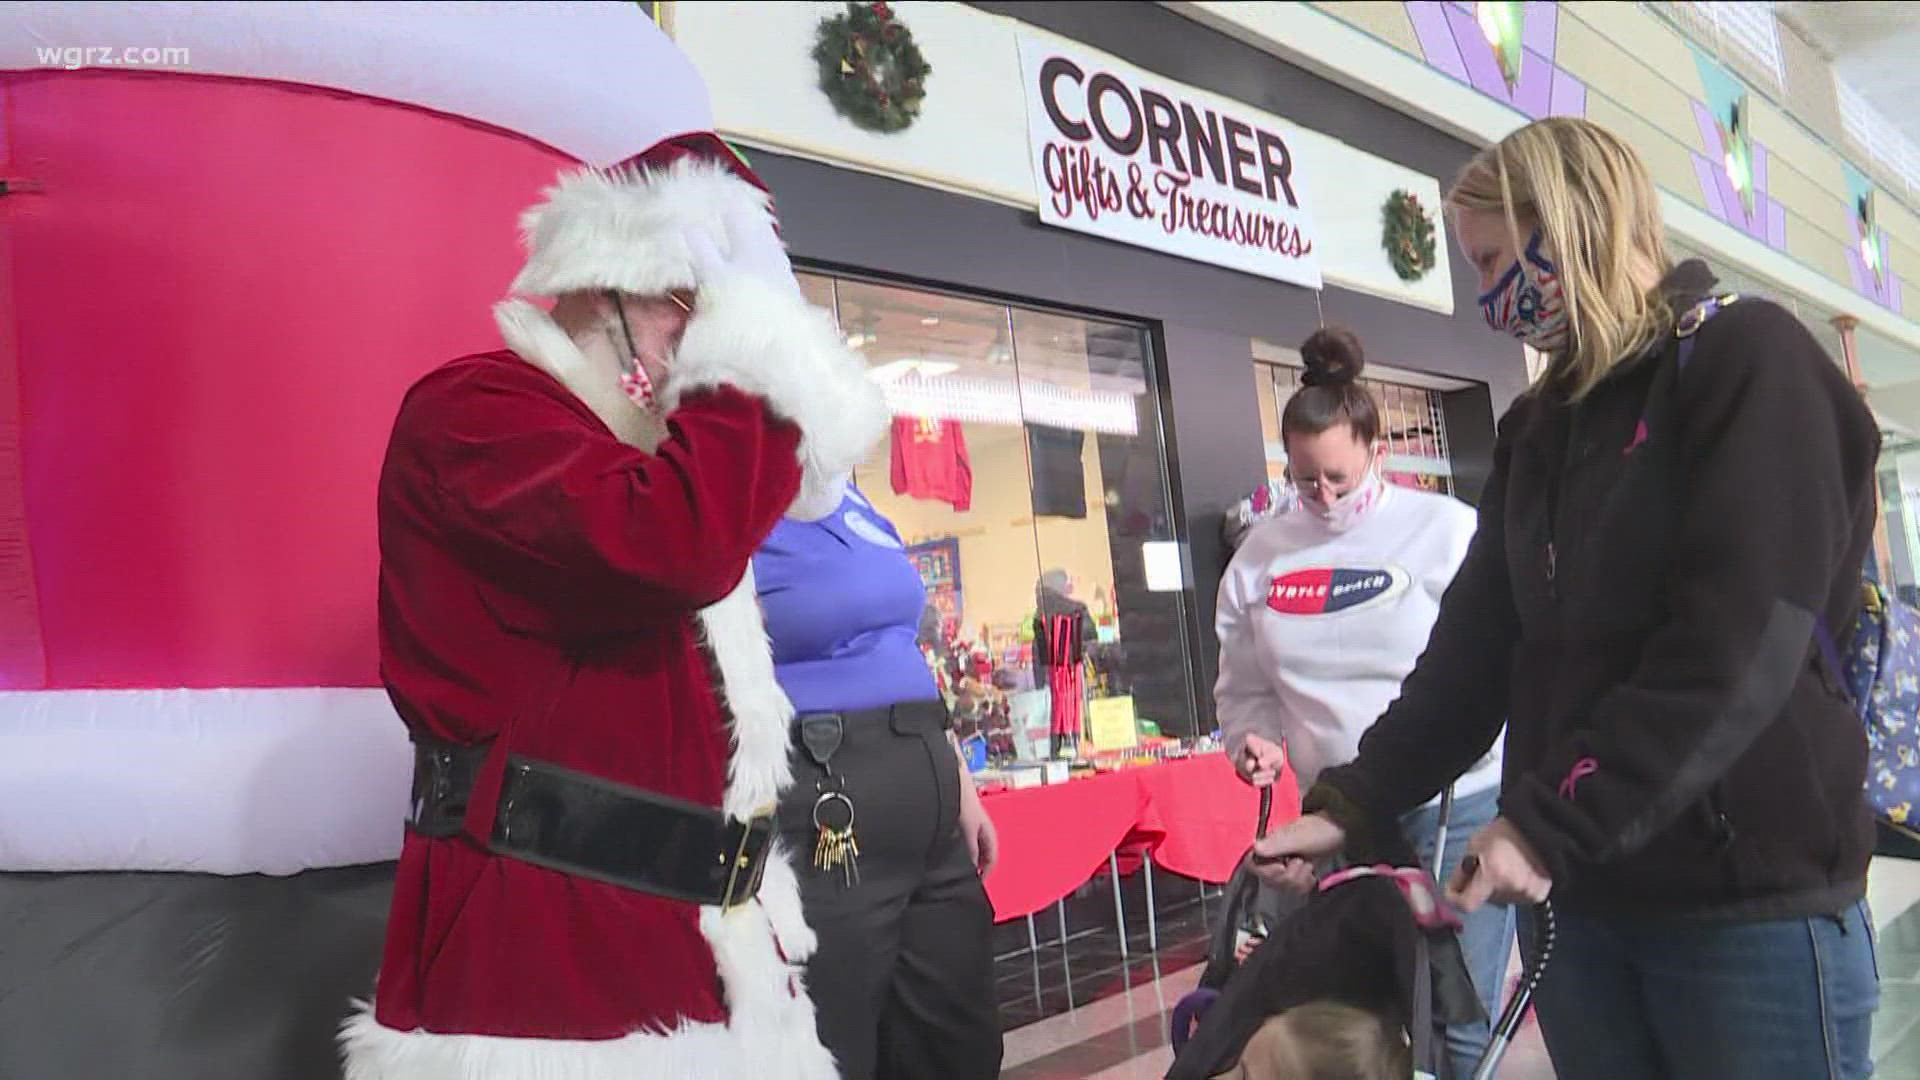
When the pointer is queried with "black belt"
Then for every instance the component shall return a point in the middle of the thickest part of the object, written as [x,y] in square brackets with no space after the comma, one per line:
[906,718]
[593,828]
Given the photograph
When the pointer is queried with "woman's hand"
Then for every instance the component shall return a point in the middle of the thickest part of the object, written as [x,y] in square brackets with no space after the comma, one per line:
[983,840]
[1285,859]
[1501,868]
[1260,760]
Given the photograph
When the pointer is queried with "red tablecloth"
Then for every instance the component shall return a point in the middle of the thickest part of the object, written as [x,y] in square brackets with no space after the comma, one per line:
[1053,838]
[1195,816]
[1199,817]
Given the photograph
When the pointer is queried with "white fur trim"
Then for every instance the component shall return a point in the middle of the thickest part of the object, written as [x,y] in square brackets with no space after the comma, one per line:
[780,899]
[533,336]
[819,498]
[626,229]
[770,1033]
[749,335]
[762,716]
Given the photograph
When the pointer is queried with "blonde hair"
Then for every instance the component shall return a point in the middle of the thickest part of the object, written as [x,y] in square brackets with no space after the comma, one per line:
[1324,1040]
[1592,197]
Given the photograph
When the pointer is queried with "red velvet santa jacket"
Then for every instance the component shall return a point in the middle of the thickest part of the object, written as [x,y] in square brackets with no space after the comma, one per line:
[561,595]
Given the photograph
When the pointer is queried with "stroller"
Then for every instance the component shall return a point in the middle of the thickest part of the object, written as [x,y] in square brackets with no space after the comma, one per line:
[1317,947]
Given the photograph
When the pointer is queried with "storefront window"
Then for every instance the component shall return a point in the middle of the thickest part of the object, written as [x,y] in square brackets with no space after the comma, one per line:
[1025,472]
[1413,423]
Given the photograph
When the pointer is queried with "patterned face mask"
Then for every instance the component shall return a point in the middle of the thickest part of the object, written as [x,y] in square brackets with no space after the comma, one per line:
[1527,303]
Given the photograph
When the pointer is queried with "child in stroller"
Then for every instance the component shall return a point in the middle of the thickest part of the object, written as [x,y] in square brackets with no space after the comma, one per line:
[1357,982]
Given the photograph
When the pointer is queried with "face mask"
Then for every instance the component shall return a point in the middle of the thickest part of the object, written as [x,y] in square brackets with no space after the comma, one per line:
[1527,302]
[1344,512]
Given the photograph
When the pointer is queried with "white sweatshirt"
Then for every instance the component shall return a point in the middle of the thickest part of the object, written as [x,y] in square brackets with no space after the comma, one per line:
[1318,628]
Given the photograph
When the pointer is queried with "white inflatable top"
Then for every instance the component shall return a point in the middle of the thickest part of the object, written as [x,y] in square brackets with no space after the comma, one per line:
[597,81]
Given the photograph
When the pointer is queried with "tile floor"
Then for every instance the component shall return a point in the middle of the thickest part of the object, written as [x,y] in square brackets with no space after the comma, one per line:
[1087,1013]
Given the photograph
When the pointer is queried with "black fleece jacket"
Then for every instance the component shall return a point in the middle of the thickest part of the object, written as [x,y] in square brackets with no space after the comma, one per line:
[1639,604]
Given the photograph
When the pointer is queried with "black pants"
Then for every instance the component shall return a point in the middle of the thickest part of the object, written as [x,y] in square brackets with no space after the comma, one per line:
[903,979]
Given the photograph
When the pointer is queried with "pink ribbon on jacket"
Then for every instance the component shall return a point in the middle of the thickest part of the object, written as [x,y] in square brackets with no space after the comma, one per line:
[1582,769]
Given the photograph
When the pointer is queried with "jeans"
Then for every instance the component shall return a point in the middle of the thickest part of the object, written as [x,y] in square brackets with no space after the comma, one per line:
[1673,999]
[1487,938]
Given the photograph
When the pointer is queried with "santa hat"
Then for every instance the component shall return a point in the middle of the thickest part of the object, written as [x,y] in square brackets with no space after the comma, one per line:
[624,228]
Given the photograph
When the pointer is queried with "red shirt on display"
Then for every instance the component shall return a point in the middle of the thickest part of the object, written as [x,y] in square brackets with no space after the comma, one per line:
[930,461]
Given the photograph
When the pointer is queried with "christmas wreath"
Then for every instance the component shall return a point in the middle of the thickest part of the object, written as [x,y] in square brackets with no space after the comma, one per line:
[870,68]
[1407,236]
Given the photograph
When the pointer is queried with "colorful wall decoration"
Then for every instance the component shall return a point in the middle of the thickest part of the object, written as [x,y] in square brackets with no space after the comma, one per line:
[1867,257]
[1504,50]
[1733,172]
[1753,157]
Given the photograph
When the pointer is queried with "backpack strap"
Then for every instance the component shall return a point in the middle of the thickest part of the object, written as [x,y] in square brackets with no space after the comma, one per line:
[1660,407]
[1829,650]
[1694,318]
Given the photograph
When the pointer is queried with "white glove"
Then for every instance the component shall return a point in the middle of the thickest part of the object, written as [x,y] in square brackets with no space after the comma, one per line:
[749,247]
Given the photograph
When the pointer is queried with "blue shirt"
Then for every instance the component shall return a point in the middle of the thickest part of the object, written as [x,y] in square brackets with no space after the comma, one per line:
[842,604]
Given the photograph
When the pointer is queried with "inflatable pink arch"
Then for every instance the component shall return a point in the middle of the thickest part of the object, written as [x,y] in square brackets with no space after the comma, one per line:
[231,235]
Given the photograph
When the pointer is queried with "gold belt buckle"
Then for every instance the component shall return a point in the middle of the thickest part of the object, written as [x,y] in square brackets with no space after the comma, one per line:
[743,860]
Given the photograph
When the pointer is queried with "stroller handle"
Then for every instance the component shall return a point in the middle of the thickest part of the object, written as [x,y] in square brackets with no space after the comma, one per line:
[1509,1025]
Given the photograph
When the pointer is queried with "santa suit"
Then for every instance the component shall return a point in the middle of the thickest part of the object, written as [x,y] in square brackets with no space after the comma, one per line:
[549,592]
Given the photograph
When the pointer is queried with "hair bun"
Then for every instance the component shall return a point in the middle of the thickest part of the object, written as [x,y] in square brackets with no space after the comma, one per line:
[1333,357]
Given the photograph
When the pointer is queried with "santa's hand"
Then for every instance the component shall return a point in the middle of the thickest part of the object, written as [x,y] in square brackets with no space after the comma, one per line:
[749,246]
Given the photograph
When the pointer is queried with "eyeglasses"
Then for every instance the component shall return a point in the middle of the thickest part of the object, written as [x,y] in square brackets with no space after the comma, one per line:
[1327,485]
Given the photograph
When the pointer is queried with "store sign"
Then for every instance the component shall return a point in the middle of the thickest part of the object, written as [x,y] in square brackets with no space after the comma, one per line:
[1122,154]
